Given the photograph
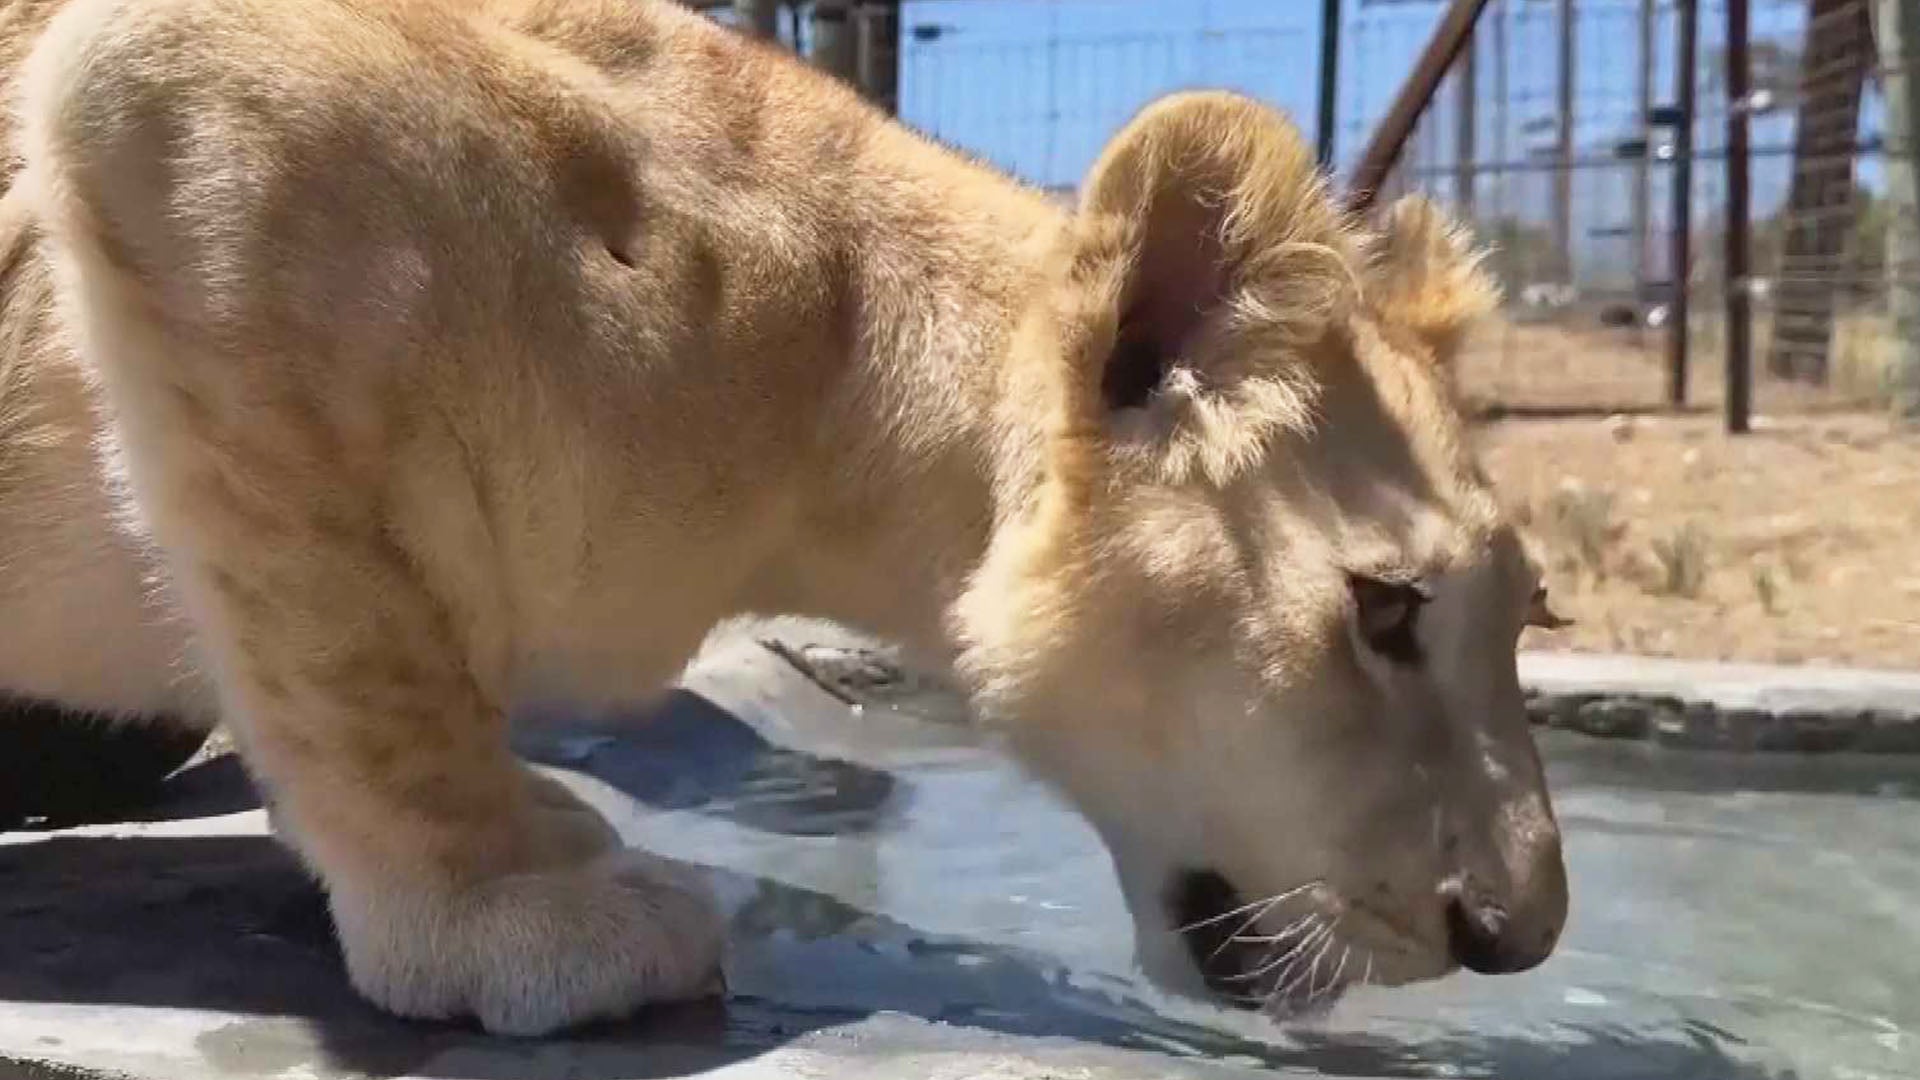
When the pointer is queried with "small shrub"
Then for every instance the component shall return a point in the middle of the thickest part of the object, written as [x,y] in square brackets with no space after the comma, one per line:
[1682,556]
[1766,586]
[1584,517]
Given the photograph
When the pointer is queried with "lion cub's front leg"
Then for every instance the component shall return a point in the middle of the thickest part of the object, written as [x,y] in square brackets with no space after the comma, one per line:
[461,883]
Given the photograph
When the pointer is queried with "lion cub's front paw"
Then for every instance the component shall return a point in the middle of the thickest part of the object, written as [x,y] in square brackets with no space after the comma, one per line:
[530,953]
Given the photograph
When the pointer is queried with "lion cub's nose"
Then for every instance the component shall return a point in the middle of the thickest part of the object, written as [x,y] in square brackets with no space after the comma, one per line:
[1477,933]
[1493,937]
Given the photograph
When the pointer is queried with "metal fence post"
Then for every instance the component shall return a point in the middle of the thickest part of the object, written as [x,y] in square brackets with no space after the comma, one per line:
[1569,22]
[1329,80]
[1416,93]
[759,17]
[1682,238]
[1738,280]
[1899,33]
[1643,165]
[1465,124]
[833,44]
[879,53]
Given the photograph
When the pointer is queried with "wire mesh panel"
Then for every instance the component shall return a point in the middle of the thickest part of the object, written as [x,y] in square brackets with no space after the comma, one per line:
[1555,135]
[1037,86]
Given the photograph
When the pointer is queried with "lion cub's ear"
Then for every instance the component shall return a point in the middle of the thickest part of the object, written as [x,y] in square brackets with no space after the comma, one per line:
[1208,249]
[1424,275]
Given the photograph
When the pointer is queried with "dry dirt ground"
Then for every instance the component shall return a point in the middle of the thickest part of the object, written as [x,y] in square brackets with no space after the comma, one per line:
[1666,537]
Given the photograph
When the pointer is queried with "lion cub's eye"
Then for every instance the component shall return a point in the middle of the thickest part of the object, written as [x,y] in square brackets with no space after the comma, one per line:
[1388,610]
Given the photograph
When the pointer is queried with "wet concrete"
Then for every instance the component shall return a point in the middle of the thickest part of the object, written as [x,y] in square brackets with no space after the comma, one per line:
[905,905]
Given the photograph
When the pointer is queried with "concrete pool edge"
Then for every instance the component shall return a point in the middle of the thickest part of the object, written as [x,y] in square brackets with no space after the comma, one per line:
[1680,704]
[1707,705]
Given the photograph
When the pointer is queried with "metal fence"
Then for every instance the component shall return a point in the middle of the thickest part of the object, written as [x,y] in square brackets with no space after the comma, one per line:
[1058,87]
[1559,133]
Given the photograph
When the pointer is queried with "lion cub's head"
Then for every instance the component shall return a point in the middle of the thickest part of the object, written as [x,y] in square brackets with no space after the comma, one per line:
[1258,612]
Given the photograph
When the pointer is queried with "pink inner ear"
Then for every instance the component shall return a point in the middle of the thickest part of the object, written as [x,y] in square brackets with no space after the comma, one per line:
[1181,277]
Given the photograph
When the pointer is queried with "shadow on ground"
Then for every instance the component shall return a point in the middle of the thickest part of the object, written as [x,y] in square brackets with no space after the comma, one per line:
[230,924]
[691,754]
[58,768]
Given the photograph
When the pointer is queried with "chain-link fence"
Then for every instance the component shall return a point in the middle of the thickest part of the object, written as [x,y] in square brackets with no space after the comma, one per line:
[1062,87]
[1558,134]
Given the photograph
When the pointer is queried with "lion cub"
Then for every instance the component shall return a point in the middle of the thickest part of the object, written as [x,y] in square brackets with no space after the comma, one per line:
[459,354]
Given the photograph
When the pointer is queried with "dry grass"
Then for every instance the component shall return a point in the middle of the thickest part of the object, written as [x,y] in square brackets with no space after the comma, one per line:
[1579,364]
[1667,537]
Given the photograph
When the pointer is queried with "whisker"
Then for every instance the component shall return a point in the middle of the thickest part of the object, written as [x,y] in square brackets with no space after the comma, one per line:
[1282,936]
[1333,981]
[1238,931]
[1288,965]
[1265,906]
[1313,973]
[1286,990]
[1239,936]
[1269,964]
[1366,977]
[1279,938]
[1244,927]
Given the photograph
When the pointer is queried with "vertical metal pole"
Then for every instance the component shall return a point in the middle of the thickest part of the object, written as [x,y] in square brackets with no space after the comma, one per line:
[833,46]
[1052,139]
[1563,151]
[879,53]
[1410,103]
[1465,157]
[1682,236]
[1329,80]
[1501,112]
[1643,171]
[1899,35]
[1738,284]
[761,18]
[1510,271]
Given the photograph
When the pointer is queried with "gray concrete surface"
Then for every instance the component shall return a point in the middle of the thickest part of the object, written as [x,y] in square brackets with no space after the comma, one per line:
[1720,706]
[1681,704]
[905,906]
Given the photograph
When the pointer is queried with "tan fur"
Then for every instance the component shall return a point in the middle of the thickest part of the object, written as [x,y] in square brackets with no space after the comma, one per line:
[1427,277]
[83,623]
[457,356]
